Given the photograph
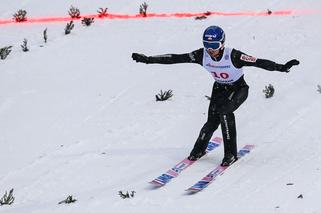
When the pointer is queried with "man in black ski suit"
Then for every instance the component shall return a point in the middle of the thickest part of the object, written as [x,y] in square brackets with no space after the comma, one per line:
[229,90]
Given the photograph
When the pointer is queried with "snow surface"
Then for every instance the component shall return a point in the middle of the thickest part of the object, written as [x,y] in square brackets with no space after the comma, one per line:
[78,117]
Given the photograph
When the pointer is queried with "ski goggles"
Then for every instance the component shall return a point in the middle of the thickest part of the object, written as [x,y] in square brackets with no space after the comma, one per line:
[214,45]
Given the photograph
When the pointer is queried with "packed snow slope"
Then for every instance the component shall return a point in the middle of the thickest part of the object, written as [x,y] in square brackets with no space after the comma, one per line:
[79,117]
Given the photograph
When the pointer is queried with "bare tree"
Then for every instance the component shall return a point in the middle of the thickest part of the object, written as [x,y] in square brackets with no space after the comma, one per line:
[102,12]
[87,21]
[163,96]
[68,200]
[24,46]
[269,91]
[7,199]
[45,35]
[126,194]
[20,16]
[143,9]
[74,12]
[69,27]
[4,52]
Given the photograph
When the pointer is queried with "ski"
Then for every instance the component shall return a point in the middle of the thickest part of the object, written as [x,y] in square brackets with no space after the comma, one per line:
[184,164]
[219,170]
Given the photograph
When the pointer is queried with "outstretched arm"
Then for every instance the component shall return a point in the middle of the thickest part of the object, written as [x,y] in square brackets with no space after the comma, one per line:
[241,59]
[193,57]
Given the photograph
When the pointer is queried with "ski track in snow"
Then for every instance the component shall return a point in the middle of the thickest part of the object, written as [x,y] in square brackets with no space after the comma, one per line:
[109,102]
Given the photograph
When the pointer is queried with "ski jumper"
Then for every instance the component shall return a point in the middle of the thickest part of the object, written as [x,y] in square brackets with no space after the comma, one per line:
[229,90]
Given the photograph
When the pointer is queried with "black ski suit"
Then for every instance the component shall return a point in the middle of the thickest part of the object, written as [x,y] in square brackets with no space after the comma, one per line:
[225,98]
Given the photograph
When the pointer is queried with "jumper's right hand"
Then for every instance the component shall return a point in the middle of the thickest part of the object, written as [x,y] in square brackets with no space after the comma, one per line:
[140,58]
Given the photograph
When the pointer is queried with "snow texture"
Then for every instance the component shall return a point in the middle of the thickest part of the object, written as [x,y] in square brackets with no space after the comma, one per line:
[78,116]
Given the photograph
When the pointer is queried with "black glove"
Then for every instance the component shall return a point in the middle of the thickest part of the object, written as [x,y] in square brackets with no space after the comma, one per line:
[286,67]
[140,58]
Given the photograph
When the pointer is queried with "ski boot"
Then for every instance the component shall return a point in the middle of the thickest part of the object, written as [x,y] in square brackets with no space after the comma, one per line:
[196,155]
[228,160]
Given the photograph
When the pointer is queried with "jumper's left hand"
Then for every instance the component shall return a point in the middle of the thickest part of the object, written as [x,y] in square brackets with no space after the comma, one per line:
[140,58]
[286,67]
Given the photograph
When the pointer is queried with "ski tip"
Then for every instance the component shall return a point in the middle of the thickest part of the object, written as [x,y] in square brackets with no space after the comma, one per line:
[192,190]
[249,146]
[217,140]
[156,183]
